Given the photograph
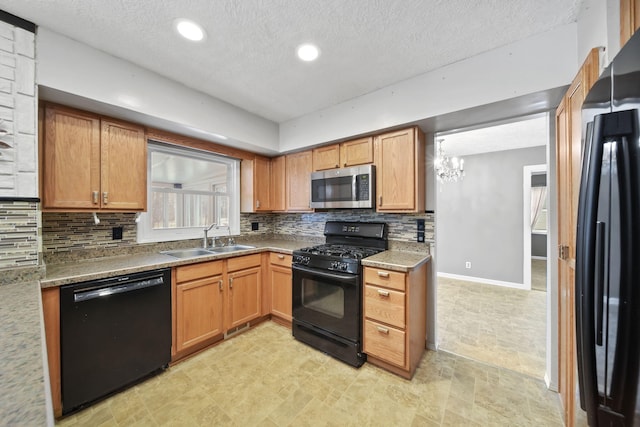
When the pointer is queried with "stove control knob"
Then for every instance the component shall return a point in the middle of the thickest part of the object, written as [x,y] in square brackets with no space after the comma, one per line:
[343,266]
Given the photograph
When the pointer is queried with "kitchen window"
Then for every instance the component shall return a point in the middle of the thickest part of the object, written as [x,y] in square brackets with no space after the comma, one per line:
[189,190]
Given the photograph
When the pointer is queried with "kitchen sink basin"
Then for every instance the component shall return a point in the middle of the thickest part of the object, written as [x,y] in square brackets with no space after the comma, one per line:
[188,253]
[231,248]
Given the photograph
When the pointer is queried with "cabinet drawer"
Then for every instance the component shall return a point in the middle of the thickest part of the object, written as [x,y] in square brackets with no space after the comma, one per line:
[384,342]
[385,278]
[384,305]
[242,262]
[280,259]
[197,271]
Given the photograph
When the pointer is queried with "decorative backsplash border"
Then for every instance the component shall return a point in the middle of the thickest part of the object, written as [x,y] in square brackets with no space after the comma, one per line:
[19,221]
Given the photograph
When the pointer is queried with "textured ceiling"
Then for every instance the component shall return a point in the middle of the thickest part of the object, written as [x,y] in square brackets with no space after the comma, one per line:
[248,58]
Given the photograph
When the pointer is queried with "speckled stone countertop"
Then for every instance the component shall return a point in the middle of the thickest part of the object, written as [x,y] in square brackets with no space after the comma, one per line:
[397,260]
[23,389]
[100,268]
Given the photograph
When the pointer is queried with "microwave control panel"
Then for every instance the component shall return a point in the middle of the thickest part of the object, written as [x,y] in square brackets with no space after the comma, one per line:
[362,184]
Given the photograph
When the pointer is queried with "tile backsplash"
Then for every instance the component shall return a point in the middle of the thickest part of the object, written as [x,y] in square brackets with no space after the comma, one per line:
[71,232]
[18,234]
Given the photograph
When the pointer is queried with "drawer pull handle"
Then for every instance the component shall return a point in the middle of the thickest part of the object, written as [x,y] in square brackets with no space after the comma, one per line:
[95,197]
[105,198]
[383,293]
[383,274]
[383,330]
[220,285]
[280,256]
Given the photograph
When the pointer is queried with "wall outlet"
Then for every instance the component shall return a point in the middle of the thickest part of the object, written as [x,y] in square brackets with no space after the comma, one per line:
[116,233]
[467,264]
[254,226]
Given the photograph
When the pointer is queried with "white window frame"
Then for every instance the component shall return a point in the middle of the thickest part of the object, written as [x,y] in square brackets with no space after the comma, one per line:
[145,231]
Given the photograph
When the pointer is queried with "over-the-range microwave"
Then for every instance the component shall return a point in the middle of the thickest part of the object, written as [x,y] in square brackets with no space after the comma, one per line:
[352,187]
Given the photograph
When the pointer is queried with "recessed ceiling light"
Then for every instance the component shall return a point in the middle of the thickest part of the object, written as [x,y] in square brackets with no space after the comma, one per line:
[308,52]
[189,30]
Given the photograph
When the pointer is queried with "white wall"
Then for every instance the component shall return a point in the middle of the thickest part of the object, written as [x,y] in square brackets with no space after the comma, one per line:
[538,63]
[599,26]
[73,67]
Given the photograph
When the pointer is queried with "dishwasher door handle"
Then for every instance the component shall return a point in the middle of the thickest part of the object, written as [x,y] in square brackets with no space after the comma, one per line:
[93,293]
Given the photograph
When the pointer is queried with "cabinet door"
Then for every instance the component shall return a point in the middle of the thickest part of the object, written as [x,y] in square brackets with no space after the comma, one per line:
[71,175]
[356,152]
[629,19]
[278,184]
[244,296]
[124,166]
[262,184]
[198,311]
[299,168]
[326,157]
[281,298]
[398,179]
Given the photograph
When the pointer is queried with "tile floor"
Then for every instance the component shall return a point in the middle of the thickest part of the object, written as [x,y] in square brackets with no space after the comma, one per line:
[264,377]
[493,324]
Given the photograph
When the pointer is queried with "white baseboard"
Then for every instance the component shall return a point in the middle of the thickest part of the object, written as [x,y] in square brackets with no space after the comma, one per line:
[539,257]
[550,385]
[487,281]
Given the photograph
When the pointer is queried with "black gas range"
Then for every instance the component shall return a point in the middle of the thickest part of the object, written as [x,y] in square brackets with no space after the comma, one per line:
[327,288]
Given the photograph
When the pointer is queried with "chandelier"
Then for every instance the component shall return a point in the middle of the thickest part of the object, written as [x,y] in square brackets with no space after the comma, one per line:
[448,169]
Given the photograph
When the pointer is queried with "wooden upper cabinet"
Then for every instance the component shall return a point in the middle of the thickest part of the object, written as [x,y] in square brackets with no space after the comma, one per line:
[356,152]
[629,19]
[400,171]
[255,184]
[298,181]
[327,157]
[71,165]
[349,153]
[92,163]
[123,177]
[278,183]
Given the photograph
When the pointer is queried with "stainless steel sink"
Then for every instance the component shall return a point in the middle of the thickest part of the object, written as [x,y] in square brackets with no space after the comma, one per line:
[188,253]
[198,252]
[231,248]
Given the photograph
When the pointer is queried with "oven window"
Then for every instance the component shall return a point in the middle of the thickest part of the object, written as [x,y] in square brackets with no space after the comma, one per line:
[323,297]
[337,189]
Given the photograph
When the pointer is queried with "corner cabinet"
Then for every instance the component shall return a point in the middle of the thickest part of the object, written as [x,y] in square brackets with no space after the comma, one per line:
[394,325]
[91,163]
[280,278]
[255,185]
[298,168]
[400,171]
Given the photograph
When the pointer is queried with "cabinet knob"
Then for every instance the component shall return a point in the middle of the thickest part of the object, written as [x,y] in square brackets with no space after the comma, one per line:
[337,165]
[383,274]
[345,164]
[383,293]
[95,197]
[383,330]
[105,198]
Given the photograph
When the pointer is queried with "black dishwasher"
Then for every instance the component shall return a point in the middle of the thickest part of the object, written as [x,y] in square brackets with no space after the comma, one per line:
[113,332]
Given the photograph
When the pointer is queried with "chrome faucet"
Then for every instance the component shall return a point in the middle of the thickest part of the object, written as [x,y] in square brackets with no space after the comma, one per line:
[205,241]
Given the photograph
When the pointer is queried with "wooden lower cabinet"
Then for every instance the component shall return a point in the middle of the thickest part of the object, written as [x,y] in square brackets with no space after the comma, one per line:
[213,298]
[280,278]
[198,298]
[51,316]
[394,325]
[244,281]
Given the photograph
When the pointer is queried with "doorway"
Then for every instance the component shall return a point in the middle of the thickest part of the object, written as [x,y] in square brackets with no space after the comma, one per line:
[486,309]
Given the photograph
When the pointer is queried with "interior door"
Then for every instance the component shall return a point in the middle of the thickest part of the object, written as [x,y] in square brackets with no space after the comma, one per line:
[568,155]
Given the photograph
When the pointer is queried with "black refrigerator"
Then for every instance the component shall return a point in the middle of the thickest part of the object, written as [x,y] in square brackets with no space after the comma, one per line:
[608,246]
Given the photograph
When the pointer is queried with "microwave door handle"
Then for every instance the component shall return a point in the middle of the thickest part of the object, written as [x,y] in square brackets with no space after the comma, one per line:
[354,188]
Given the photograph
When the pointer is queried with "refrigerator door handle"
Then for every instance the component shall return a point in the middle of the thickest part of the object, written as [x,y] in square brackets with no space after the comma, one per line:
[599,279]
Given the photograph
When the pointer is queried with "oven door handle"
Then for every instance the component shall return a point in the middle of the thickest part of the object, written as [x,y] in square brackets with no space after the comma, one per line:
[326,274]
